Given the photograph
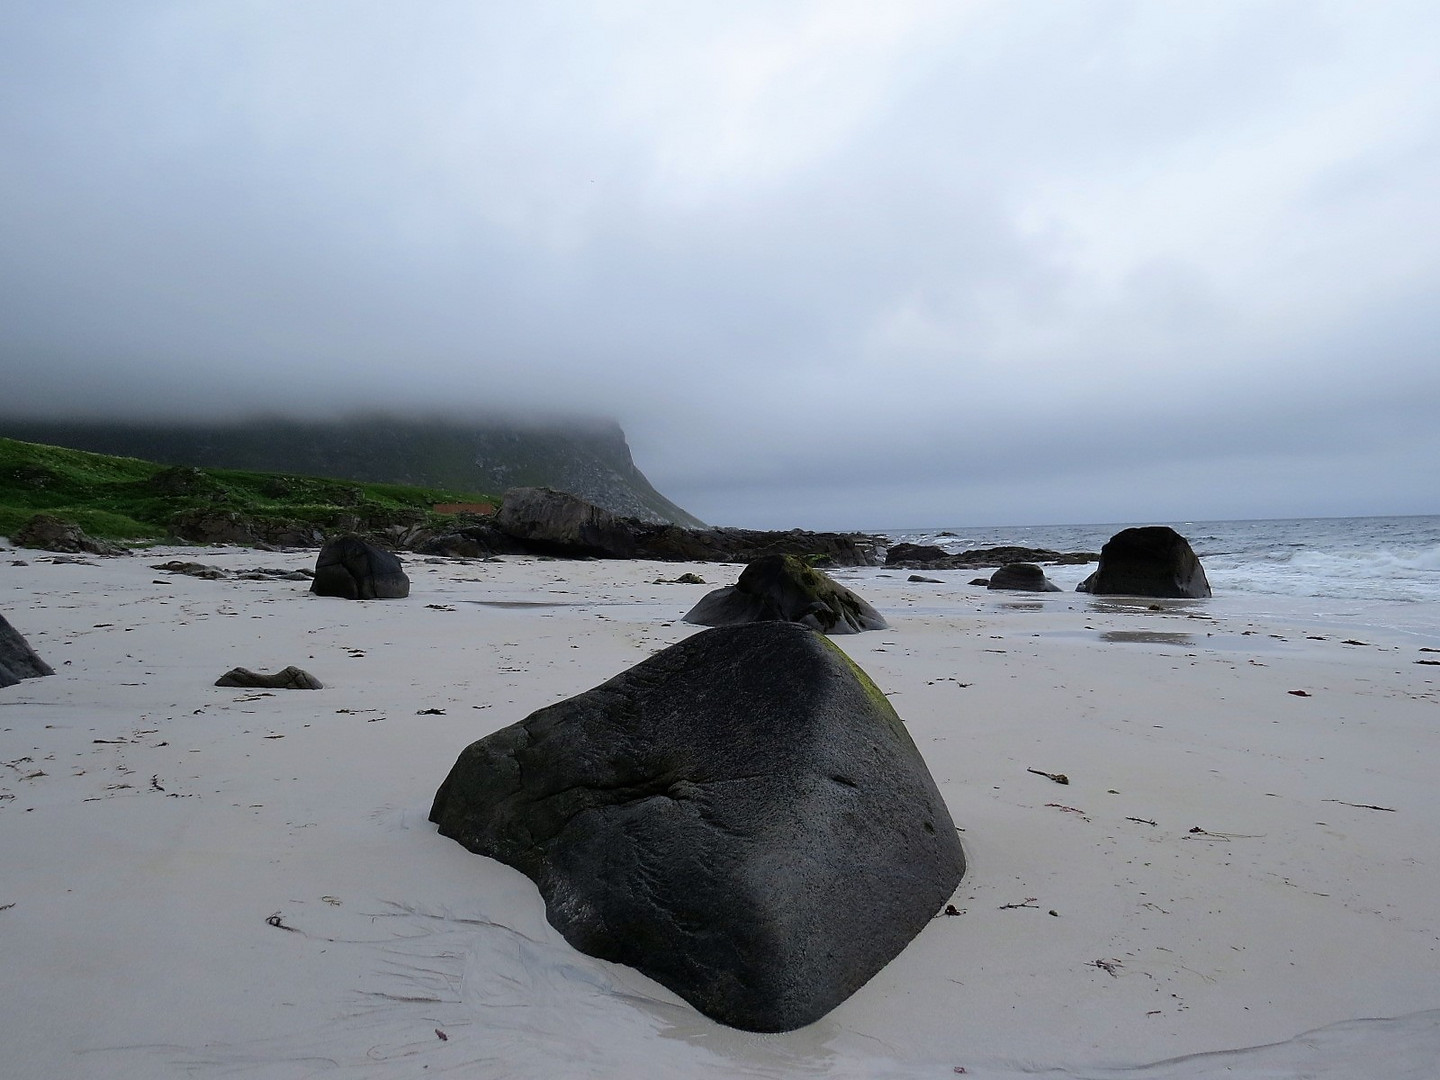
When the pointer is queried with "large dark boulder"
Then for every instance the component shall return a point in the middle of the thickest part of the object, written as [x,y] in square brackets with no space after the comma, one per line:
[1153,560]
[351,568]
[213,525]
[1021,577]
[561,524]
[785,588]
[17,659]
[742,817]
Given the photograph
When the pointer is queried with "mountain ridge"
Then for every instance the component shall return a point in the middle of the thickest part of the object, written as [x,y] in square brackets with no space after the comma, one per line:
[587,457]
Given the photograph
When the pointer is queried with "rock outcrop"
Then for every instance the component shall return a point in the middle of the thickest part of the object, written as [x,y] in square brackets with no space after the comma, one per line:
[50,533]
[672,543]
[353,569]
[1153,560]
[930,557]
[206,525]
[742,817]
[553,522]
[460,543]
[540,521]
[17,659]
[1021,577]
[785,588]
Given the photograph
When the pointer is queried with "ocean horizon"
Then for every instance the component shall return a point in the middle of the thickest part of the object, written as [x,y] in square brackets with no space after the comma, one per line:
[1373,558]
[1373,574]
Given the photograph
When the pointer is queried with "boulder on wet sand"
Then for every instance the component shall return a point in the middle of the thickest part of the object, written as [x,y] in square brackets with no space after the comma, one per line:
[1021,577]
[785,588]
[742,817]
[17,659]
[351,568]
[1153,560]
[290,678]
[192,569]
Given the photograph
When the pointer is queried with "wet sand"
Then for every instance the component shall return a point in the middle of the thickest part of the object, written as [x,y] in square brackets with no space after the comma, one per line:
[202,881]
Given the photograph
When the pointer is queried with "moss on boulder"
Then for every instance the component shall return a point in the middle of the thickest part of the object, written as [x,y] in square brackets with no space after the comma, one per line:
[786,588]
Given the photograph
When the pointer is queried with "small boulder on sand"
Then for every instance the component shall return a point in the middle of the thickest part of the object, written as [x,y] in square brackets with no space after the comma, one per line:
[355,569]
[290,678]
[785,588]
[1021,577]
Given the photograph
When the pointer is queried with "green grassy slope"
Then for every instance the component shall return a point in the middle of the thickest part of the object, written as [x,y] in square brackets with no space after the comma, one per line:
[588,458]
[121,498]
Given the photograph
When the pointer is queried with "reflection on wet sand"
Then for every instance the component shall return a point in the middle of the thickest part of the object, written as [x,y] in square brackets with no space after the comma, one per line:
[527,603]
[1148,637]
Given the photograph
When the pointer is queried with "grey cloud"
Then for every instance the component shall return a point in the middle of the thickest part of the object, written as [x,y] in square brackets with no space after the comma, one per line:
[961,258]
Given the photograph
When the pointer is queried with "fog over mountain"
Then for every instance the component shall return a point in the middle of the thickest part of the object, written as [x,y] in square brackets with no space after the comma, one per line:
[833,264]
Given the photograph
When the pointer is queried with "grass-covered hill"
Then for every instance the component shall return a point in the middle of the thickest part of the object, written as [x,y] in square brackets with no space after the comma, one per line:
[585,457]
[121,498]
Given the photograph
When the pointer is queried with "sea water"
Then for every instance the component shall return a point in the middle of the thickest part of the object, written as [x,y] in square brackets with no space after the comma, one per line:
[1375,572]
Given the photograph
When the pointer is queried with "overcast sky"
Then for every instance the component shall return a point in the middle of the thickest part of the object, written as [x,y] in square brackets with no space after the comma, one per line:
[831,264]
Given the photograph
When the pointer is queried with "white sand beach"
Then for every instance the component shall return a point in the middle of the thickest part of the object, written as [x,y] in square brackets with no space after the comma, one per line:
[206,882]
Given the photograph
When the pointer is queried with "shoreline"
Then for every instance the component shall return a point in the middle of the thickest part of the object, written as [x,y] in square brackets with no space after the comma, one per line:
[173,818]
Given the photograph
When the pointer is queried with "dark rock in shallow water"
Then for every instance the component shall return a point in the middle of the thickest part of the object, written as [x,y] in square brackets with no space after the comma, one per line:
[349,567]
[1021,577]
[17,659]
[929,557]
[785,588]
[290,678]
[742,817]
[926,580]
[1151,561]
[917,556]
